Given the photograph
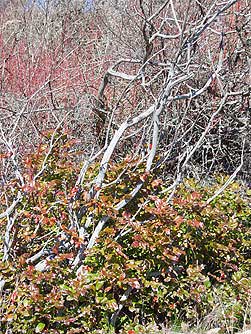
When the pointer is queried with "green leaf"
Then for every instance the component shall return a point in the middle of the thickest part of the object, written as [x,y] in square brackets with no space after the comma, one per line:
[40,327]
[99,285]
[26,302]
[207,284]
[249,192]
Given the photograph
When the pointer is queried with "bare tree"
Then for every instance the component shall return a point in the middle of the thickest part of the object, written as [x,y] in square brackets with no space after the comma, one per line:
[174,82]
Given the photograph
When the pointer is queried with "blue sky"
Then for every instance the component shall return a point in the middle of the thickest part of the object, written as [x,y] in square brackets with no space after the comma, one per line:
[88,5]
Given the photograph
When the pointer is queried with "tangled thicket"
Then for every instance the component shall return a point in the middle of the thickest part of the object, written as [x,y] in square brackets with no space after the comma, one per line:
[123,128]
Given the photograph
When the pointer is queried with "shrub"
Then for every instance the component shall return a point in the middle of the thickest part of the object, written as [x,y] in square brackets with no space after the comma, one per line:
[161,259]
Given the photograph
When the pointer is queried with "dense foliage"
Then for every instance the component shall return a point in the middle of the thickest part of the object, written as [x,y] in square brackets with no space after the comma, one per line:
[169,255]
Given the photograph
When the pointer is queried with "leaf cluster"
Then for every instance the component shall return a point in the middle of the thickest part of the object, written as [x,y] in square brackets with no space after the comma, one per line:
[159,259]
